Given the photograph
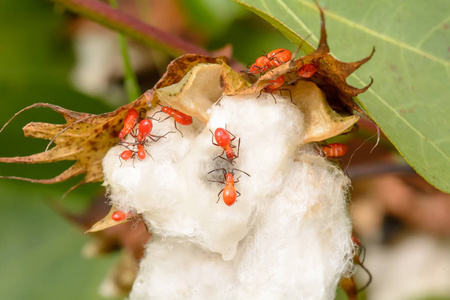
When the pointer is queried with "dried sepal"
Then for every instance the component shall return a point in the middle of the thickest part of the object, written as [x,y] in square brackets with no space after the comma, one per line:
[107,222]
[349,286]
[178,68]
[231,81]
[85,138]
[196,92]
[321,121]
[201,86]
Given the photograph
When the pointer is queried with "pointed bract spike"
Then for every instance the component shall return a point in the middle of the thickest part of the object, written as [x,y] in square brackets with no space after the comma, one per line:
[67,114]
[71,172]
[349,68]
[362,90]
[73,187]
[67,128]
[42,130]
[323,45]
[52,155]
[107,222]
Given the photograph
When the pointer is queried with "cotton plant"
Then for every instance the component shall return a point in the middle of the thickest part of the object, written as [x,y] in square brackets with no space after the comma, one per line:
[288,233]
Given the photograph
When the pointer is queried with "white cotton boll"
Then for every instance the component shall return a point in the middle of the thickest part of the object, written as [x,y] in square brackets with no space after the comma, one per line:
[288,236]
[269,133]
[301,242]
[130,183]
[176,269]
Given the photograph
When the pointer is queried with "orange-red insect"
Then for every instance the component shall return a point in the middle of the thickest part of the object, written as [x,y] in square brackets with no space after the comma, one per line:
[356,240]
[144,131]
[224,140]
[229,191]
[118,215]
[334,150]
[307,70]
[145,127]
[273,59]
[260,65]
[141,151]
[127,154]
[275,86]
[128,124]
[278,57]
[177,115]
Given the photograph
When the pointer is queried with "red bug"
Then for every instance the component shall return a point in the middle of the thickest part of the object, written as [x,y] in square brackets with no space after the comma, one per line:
[229,191]
[334,150]
[144,130]
[278,57]
[177,115]
[141,151]
[260,65]
[128,124]
[224,140]
[275,86]
[126,155]
[273,59]
[118,215]
[145,127]
[361,248]
[307,70]
[356,240]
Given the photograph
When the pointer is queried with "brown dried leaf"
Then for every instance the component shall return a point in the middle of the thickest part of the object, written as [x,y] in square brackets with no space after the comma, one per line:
[84,138]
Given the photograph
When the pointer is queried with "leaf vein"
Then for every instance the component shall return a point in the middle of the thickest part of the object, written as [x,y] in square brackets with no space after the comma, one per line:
[431,31]
[378,35]
[294,16]
[400,117]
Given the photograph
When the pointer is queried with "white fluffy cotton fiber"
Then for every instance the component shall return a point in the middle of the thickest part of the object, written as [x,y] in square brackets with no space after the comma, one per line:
[287,237]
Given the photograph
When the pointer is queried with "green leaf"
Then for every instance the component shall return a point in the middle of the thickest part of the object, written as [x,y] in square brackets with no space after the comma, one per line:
[42,252]
[411,68]
[292,35]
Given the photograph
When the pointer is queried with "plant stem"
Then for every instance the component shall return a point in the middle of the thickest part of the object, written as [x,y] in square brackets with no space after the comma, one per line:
[132,27]
[130,80]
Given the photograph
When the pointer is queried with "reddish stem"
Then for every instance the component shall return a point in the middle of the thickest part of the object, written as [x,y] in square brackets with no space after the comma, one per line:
[132,27]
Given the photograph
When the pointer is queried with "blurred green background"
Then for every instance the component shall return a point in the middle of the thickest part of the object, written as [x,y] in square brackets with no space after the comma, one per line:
[41,250]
